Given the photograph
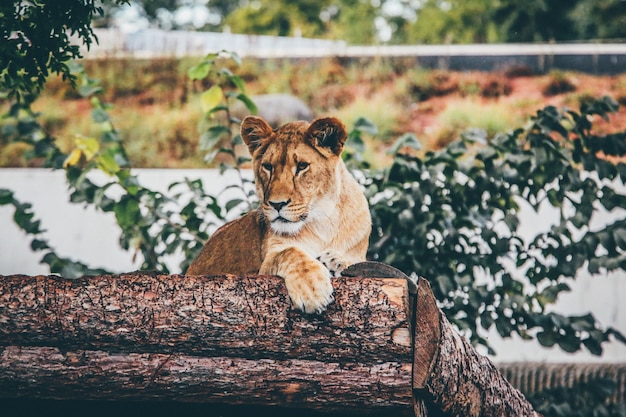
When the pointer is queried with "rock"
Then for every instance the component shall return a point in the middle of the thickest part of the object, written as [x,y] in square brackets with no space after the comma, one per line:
[276,109]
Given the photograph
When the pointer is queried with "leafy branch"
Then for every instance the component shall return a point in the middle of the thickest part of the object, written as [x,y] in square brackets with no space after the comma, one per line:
[152,224]
[453,217]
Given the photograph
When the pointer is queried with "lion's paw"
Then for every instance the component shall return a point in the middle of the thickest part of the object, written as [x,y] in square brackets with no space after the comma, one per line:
[333,262]
[310,289]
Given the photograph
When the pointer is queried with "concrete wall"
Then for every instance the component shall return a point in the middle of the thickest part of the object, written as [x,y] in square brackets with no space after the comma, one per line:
[86,235]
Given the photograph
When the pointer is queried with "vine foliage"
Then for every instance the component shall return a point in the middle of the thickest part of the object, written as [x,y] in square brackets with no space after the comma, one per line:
[154,225]
[453,216]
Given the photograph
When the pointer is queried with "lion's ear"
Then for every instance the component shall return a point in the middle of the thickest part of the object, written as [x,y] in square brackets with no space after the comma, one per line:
[328,133]
[253,131]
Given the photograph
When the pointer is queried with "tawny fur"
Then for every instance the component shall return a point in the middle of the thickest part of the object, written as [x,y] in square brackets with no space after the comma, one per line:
[313,219]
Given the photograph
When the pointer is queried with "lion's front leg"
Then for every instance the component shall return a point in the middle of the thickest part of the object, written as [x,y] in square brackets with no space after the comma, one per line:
[334,262]
[307,280]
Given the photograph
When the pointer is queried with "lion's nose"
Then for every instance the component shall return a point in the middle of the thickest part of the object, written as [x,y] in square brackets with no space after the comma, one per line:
[279,204]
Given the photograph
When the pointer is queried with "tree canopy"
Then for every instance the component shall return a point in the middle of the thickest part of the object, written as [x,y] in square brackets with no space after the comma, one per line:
[36,39]
[408,21]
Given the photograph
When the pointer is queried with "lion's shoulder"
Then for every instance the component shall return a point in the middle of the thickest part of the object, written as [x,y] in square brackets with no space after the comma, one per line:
[235,248]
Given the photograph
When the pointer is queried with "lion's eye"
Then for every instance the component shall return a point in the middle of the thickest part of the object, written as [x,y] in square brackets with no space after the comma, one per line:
[267,167]
[301,166]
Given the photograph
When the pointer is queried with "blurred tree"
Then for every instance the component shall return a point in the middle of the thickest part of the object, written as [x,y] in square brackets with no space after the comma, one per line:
[162,13]
[454,21]
[535,20]
[354,22]
[281,18]
[399,21]
[600,19]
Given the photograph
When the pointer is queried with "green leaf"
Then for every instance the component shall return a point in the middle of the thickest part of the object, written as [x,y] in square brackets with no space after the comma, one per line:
[365,126]
[407,140]
[594,346]
[355,142]
[475,136]
[211,98]
[99,115]
[88,90]
[546,338]
[238,81]
[617,334]
[23,217]
[248,103]
[232,204]
[512,221]
[106,162]
[569,343]
[127,212]
[235,57]
[213,135]
[38,244]
[89,146]
[6,196]
[583,323]
[553,198]
[200,71]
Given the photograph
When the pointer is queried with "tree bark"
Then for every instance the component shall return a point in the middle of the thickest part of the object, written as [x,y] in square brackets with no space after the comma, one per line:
[450,374]
[248,317]
[98,375]
[223,339]
[236,340]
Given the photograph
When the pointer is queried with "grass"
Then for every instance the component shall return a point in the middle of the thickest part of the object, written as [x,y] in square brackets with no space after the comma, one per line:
[462,114]
[378,108]
[156,110]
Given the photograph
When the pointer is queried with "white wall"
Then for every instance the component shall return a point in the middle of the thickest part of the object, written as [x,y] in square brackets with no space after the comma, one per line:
[76,231]
[83,234]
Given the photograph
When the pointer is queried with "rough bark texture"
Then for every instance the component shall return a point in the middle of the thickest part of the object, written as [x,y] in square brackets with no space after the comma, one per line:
[248,317]
[98,375]
[236,340]
[223,339]
[452,375]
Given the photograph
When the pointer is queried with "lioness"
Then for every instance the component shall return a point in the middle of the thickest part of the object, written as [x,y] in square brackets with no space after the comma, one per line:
[313,219]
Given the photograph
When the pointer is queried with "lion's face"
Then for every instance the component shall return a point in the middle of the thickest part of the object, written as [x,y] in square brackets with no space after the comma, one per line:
[295,168]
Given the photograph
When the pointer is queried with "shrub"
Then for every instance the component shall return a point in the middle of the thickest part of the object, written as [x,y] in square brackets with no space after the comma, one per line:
[592,398]
[461,115]
[452,216]
[495,87]
[519,71]
[424,84]
[558,83]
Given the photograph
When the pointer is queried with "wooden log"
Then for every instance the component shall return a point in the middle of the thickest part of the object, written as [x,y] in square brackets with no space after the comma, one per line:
[221,339]
[46,372]
[449,372]
[236,340]
[247,317]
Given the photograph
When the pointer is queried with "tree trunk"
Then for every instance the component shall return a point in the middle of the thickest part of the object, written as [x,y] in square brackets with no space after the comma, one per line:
[236,340]
[223,339]
[450,373]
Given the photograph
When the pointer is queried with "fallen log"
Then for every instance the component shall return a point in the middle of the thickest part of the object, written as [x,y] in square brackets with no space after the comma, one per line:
[222,339]
[449,373]
[237,340]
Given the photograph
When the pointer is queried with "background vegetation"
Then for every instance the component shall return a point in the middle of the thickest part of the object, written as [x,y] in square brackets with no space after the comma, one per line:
[158,105]
[398,21]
